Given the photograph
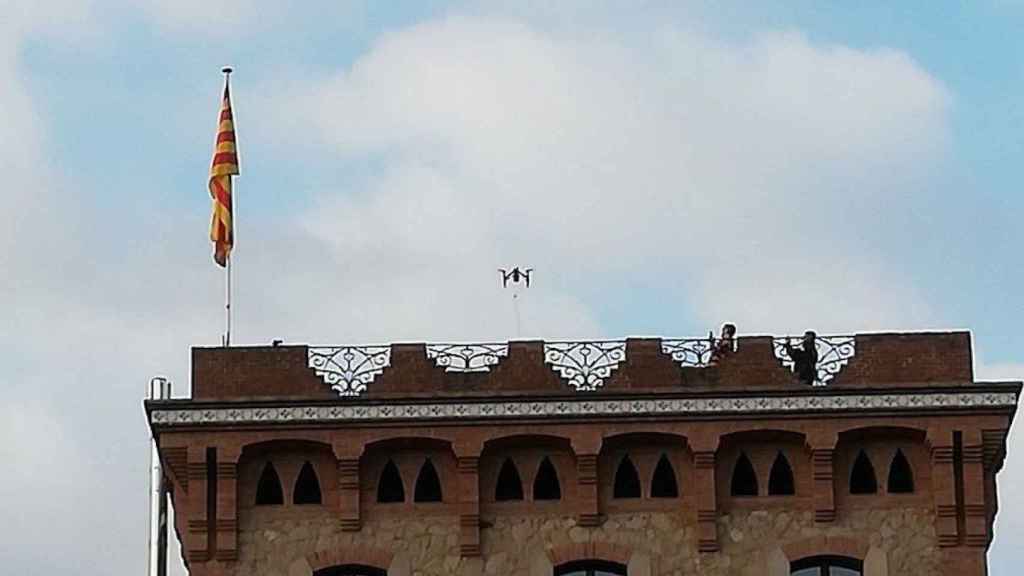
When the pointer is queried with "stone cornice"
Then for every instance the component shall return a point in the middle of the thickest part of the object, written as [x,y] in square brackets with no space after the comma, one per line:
[174,414]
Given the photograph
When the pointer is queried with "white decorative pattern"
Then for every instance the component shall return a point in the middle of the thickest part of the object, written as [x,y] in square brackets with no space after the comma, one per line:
[467,357]
[348,369]
[816,403]
[834,353]
[694,352]
[585,365]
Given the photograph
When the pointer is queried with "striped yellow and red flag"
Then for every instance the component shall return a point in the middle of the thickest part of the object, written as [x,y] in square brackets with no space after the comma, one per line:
[225,166]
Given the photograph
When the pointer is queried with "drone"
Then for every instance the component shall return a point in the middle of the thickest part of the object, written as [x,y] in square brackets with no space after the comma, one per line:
[515,275]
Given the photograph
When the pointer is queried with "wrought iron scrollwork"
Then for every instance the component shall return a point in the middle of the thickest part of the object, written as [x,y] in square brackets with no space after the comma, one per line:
[467,357]
[348,369]
[585,365]
[834,353]
[695,352]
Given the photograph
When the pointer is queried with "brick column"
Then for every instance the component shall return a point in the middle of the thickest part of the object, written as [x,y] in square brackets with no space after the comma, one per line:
[589,513]
[197,545]
[705,498]
[704,447]
[944,486]
[976,527]
[345,505]
[468,486]
[823,449]
[227,504]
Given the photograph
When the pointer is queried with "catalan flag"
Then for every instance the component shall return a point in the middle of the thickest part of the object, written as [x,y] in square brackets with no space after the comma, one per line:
[225,166]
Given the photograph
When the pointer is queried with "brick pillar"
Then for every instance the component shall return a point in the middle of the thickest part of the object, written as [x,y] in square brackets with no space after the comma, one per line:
[227,504]
[944,486]
[823,449]
[346,504]
[705,498]
[196,537]
[976,527]
[589,513]
[469,504]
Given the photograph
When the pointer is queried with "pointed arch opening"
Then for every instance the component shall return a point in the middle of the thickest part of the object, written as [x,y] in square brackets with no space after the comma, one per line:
[428,484]
[780,481]
[389,487]
[862,476]
[901,475]
[545,484]
[663,483]
[307,486]
[744,479]
[627,480]
[268,489]
[509,486]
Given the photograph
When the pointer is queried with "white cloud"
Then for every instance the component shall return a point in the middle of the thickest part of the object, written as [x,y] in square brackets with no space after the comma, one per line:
[757,171]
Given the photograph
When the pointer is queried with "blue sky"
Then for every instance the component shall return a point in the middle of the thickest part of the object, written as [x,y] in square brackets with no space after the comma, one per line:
[665,166]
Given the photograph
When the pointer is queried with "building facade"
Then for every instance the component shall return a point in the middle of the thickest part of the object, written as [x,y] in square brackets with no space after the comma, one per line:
[875,455]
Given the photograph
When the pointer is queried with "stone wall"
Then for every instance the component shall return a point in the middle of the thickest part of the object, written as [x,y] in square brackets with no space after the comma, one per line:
[754,542]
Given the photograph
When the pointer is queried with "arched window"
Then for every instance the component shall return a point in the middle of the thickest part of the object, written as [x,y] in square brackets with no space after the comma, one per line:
[350,570]
[663,483]
[627,480]
[590,568]
[268,490]
[780,482]
[545,484]
[509,486]
[901,476]
[827,566]
[744,479]
[428,485]
[862,477]
[307,486]
[389,486]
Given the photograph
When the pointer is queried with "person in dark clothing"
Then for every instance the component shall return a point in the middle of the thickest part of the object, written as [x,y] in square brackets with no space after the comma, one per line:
[724,345]
[805,359]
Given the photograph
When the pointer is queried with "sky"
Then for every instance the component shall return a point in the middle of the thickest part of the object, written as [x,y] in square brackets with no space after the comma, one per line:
[664,167]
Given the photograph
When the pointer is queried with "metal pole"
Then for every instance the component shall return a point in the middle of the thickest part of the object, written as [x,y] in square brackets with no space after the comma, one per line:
[159,389]
[227,305]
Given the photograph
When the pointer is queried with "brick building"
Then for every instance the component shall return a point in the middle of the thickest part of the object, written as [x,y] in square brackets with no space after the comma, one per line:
[646,457]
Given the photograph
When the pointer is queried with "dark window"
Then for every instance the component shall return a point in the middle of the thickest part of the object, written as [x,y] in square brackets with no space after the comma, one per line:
[827,566]
[268,490]
[428,485]
[627,480]
[862,477]
[780,482]
[509,486]
[590,568]
[901,476]
[744,479]
[663,483]
[545,484]
[389,487]
[307,486]
[350,570]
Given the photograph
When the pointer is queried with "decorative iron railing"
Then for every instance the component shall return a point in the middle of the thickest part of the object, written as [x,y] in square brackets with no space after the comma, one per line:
[584,365]
[833,353]
[467,357]
[348,369]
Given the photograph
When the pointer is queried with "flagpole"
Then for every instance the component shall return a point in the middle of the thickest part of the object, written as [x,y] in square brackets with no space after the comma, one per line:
[227,303]
[227,300]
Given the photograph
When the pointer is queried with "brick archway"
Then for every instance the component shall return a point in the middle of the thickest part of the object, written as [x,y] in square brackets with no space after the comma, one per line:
[590,551]
[360,554]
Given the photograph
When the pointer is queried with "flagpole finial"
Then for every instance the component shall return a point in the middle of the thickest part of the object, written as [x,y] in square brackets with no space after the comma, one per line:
[227,70]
